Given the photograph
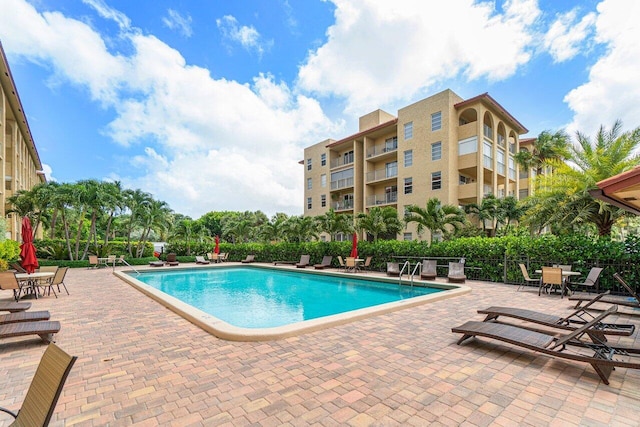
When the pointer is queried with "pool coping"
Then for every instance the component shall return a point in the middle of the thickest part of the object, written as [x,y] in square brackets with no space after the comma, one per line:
[226,331]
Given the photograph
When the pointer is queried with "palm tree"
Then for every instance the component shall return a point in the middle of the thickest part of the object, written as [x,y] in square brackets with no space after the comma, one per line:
[334,224]
[486,212]
[154,215]
[135,201]
[301,229]
[548,147]
[435,217]
[380,221]
[508,210]
[272,231]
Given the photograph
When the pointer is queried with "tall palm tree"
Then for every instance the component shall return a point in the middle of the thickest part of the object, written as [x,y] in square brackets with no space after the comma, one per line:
[136,201]
[547,147]
[380,221]
[272,231]
[153,215]
[508,210]
[485,212]
[333,224]
[301,229]
[435,217]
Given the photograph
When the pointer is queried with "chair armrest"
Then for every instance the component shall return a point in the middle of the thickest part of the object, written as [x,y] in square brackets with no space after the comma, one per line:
[14,415]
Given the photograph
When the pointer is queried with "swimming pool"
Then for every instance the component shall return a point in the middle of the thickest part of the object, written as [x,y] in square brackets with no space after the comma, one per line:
[256,303]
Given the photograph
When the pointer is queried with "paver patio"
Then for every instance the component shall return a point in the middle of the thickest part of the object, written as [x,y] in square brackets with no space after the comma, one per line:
[141,364]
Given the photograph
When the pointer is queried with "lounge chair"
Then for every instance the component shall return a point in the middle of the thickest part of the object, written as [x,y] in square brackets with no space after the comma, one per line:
[456,272]
[24,316]
[201,260]
[326,262]
[628,301]
[570,322]
[172,260]
[156,263]
[393,269]
[249,259]
[14,307]
[527,278]
[45,389]
[553,344]
[304,261]
[591,281]
[17,267]
[428,271]
[44,329]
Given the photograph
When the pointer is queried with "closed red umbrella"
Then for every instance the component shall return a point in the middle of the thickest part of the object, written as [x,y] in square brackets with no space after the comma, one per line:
[354,247]
[27,250]
[216,250]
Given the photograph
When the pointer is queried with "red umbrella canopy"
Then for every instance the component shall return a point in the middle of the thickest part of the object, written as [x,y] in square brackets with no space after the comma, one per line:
[354,247]
[27,250]
[216,250]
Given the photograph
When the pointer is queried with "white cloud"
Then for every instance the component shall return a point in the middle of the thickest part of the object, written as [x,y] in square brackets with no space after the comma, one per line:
[175,21]
[248,37]
[109,13]
[48,172]
[379,52]
[612,91]
[566,37]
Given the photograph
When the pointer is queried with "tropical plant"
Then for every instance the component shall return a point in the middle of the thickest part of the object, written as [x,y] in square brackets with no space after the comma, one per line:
[435,217]
[380,221]
[333,224]
[486,213]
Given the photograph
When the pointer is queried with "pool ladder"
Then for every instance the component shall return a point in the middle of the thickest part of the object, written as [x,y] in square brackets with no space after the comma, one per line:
[407,266]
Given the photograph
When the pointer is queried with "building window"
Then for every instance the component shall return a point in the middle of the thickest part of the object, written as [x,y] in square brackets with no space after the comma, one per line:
[408,236]
[436,150]
[308,164]
[408,130]
[408,185]
[323,180]
[487,155]
[309,183]
[468,146]
[323,200]
[512,168]
[408,158]
[436,180]
[323,159]
[465,180]
[390,144]
[500,160]
[308,202]
[436,121]
[391,169]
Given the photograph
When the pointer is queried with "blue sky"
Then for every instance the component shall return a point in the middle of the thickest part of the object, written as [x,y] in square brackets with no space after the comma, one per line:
[209,104]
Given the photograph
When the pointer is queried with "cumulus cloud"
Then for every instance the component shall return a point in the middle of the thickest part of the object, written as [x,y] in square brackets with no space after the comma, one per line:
[379,52]
[248,37]
[612,90]
[566,35]
[175,21]
[48,172]
[110,13]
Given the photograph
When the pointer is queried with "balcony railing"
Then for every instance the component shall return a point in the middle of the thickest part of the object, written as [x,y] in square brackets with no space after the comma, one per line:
[382,174]
[342,183]
[381,199]
[342,205]
[382,148]
[341,161]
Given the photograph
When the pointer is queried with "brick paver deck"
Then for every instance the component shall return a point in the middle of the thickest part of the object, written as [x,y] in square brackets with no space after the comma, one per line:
[141,364]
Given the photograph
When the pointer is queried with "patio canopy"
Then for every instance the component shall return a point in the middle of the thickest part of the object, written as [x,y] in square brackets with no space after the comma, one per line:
[622,190]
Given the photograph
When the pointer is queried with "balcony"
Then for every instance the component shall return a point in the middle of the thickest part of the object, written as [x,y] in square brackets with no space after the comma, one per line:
[468,191]
[342,205]
[380,149]
[341,161]
[383,199]
[381,174]
[342,183]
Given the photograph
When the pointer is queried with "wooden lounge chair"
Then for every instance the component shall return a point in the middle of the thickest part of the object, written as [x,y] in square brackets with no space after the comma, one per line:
[527,278]
[201,260]
[428,271]
[24,316]
[156,263]
[570,322]
[14,307]
[628,301]
[393,269]
[249,259]
[456,272]
[304,261]
[172,260]
[553,344]
[45,389]
[44,329]
[326,262]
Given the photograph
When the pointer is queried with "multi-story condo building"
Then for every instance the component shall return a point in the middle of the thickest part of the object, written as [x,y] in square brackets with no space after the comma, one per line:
[443,146]
[19,160]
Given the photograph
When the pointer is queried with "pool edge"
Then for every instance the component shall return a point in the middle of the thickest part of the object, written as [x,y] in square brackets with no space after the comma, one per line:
[226,331]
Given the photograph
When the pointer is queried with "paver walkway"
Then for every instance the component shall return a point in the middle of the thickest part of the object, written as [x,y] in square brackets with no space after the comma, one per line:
[141,364]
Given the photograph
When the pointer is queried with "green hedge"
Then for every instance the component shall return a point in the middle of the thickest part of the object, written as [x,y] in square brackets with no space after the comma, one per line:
[57,248]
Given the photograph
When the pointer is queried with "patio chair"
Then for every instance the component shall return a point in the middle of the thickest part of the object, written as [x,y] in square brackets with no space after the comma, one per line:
[551,276]
[14,307]
[393,269]
[44,329]
[200,260]
[367,263]
[93,261]
[24,316]
[527,279]
[456,273]
[58,279]
[172,260]
[224,256]
[46,284]
[591,280]
[554,344]
[8,281]
[624,300]
[326,262]
[428,271]
[350,264]
[249,259]
[304,261]
[341,262]
[45,389]
[570,322]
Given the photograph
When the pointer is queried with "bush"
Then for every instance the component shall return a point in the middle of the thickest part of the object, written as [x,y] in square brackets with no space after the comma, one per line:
[57,248]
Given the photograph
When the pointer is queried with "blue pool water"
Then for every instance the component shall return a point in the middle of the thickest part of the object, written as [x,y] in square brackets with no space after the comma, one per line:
[251,297]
